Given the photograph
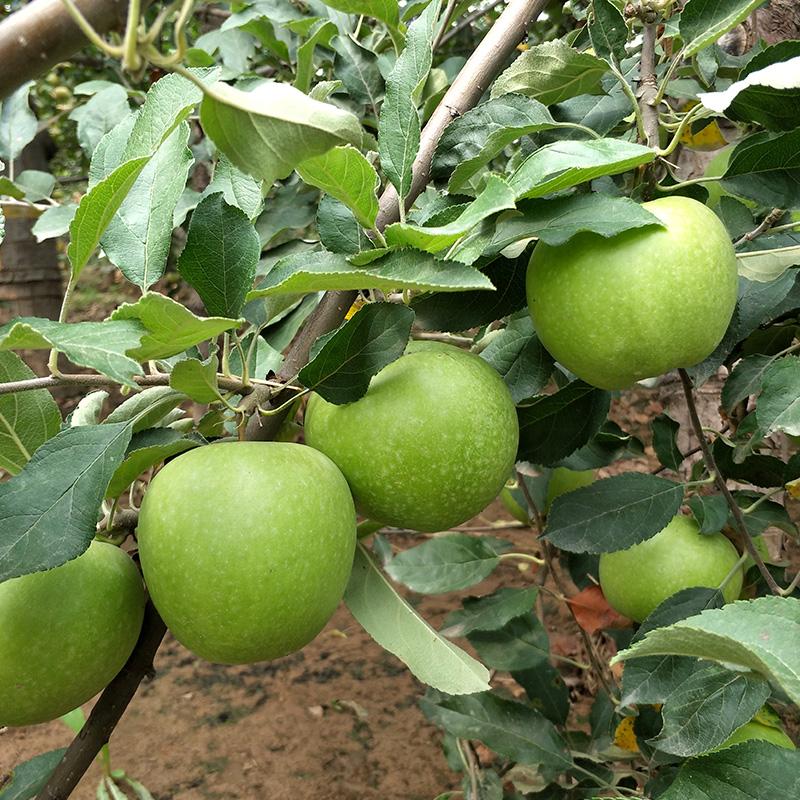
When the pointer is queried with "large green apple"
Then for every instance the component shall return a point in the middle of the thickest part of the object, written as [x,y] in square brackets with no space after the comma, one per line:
[429,445]
[636,580]
[617,310]
[66,632]
[247,547]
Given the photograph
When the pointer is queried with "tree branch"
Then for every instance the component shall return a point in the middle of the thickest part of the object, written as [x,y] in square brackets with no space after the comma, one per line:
[648,91]
[42,33]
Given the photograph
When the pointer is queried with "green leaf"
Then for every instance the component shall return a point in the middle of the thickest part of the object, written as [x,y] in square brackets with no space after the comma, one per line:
[29,777]
[197,379]
[146,408]
[320,33]
[778,406]
[400,269]
[173,328]
[387,11]
[608,31]
[96,210]
[399,128]
[754,770]
[27,419]
[556,220]
[49,510]
[221,256]
[445,564]
[239,189]
[613,513]
[665,441]
[553,426]
[551,73]
[710,511]
[17,123]
[146,449]
[338,230]
[269,131]
[101,346]
[480,134]
[563,164]
[703,21]
[490,612]
[767,265]
[522,643]
[54,221]
[706,709]
[511,729]
[341,370]
[139,235]
[518,355]
[99,115]
[496,196]
[344,173]
[397,627]
[762,635]
[359,70]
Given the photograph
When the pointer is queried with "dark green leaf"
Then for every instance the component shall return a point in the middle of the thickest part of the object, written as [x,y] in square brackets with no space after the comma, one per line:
[778,406]
[744,380]
[710,511]
[522,643]
[607,31]
[758,469]
[546,690]
[445,564]
[490,612]
[220,256]
[337,227]
[613,513]
[357,68]
[555,425]
[665,441]
[27,419]
[49,510]
[511,729]
[753,770]
[29,777]
[373,337]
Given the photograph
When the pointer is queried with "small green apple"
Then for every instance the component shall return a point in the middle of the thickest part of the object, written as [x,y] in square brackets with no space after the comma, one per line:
[247,547]
[429,445]
[564,480]
[636,580]
[617,310]
[66,632]
[757,730]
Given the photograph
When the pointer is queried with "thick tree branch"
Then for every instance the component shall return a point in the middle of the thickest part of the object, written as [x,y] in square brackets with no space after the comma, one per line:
[42,33]
[483,66]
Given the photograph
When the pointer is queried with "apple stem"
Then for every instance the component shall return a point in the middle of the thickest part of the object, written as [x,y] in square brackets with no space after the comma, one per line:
[712,467]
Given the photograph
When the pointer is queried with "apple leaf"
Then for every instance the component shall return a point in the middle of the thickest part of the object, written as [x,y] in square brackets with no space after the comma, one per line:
[522,643]
[665,441]
[17,122]
[490,612]
[552,426]
[239,189]
[27,419]
[608,31]
[398,628]
[341,369]
[496,196]
[480,134]
[762,635]
[269,131]
[197,379]
[399,269]
[613,513]
[778,406]
[28,778]
[551,73]
[563,164]
[704,21]
[101,346]
[146,408]
[173,328]
[49,509]
[515,730]
[767,265]
[706,709]
[445,564]
[344,173]
[556,220]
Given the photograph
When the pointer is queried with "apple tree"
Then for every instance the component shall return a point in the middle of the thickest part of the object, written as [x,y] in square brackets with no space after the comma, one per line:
[377,172]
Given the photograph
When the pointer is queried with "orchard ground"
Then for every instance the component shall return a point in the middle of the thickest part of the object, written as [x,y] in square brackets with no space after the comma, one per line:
[339,720]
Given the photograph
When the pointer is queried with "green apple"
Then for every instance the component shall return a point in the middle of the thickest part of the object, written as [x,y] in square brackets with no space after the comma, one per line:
[636,580]
[66,632]
[757,730]
[247,547]
[429,445]
[564,480]
[617,310]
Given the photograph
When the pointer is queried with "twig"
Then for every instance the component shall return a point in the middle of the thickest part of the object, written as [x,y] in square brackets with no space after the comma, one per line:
[107,711]
[764,227]
[648,90]
[711,464]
